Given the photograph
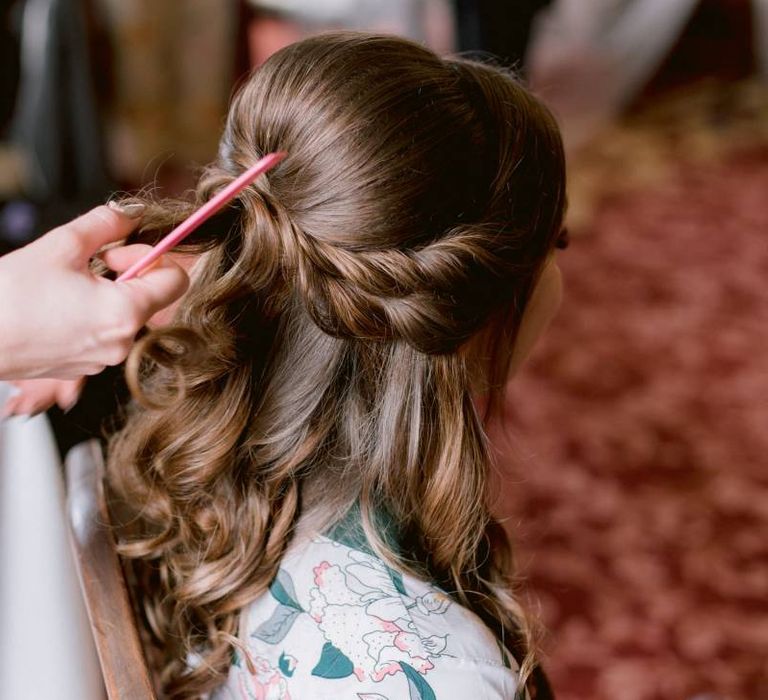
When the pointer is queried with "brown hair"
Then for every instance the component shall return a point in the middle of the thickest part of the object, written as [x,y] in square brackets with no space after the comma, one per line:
[317,359]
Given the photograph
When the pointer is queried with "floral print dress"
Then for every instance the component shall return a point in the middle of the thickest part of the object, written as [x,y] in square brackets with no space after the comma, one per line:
[338,623]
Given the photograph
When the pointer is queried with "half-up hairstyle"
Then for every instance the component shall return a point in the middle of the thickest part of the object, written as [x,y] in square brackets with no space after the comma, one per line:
[318,360]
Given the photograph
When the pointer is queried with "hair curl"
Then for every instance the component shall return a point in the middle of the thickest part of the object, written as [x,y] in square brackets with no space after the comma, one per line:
[317,359]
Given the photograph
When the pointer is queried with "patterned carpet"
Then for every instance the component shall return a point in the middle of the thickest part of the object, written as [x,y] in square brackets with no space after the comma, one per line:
[639,498]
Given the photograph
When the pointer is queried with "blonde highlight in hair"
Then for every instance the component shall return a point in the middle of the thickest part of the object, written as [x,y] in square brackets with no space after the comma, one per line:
[316,361]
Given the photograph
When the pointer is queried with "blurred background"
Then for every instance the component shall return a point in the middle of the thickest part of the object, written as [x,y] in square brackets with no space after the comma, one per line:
[636,459]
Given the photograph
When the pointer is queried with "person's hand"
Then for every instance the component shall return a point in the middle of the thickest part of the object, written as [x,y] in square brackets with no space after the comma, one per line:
[33,396]
[57,319]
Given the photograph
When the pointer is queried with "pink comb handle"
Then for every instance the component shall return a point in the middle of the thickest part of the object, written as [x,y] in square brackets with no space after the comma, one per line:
[203,213]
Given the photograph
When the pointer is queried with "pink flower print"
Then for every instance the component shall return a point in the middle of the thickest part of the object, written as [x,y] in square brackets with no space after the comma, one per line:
[332,582]
[317,604]
[407,641]
[266,683]
[365,617]
[388,668]
[390,648]
[435,603]
[319,570]
[434,645]
[331,589]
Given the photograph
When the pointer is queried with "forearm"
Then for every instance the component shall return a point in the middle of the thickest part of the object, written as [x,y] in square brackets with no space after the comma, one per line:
[10,331]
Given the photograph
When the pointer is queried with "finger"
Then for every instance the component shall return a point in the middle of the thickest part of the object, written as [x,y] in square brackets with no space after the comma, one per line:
[9,408]
[68,393]
[157,287]
[25,405]
[95,229]
[121,258]
[85,369]
[20,401]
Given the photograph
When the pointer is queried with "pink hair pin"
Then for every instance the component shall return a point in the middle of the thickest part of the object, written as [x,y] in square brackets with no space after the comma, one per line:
[204,213]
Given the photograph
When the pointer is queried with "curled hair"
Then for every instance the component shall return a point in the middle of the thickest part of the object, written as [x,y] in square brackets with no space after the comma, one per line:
[318,359]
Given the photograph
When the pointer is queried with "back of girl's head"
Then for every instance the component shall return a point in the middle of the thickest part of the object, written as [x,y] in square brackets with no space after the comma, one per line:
[317,360]
[391,150]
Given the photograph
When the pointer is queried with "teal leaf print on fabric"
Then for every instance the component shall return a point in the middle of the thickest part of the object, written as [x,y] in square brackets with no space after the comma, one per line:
[237,659]
[260,681]
[397,581]
[283,591]
[287,664]
[332,664]
[278,625]
[360,612]
[418,687]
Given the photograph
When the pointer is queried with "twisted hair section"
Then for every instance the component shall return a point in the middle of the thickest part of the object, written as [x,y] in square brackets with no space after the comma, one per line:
[318,359]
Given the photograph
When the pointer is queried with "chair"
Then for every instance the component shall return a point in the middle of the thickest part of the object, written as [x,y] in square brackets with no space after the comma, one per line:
[39,590]
[113,625]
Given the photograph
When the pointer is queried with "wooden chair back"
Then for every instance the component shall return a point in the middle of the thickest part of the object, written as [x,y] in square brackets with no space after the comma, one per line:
[123,665]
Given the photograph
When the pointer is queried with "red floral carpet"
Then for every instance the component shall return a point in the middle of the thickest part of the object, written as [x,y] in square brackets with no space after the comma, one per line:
[640,495]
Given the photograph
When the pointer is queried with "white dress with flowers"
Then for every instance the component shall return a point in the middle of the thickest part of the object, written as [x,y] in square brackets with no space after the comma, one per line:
[339,624]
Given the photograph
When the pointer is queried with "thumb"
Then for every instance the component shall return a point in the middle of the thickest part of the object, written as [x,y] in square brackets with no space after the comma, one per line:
[97,228]
[158,287]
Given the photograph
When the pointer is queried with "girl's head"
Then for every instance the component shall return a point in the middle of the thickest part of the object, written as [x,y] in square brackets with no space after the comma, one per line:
[420,197]
[328,347]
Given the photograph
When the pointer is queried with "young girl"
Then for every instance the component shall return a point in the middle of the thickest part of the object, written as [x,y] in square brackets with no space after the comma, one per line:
[306,484]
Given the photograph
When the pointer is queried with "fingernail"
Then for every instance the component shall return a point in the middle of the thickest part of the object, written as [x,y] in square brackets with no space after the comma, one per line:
[133,210]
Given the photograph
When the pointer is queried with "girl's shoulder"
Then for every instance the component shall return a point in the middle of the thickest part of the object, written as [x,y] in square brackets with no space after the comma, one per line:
[338,622]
